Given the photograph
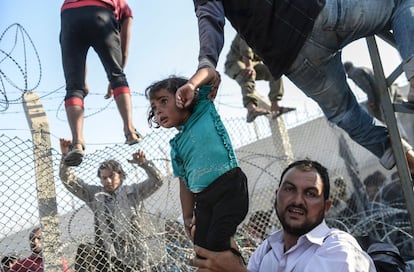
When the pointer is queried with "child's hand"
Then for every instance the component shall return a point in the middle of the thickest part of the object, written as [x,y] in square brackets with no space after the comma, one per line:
[138,157]
[109,92]
[185,95]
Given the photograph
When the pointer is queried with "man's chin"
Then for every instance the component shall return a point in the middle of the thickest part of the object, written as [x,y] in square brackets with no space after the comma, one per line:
[109,189]
[298,229]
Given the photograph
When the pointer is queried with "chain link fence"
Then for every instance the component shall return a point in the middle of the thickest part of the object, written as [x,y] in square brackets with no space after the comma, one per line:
[264,148]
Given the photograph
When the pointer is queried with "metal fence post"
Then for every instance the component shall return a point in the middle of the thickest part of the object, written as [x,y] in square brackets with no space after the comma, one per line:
[389,116]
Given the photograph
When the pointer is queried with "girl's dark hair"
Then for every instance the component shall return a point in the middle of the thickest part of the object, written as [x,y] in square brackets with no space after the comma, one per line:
[171,84]
[113,166]
[308,165]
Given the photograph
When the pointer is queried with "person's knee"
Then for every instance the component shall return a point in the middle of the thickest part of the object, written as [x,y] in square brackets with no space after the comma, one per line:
[118,81]
[218,245]
[78,93]
[350,118]
[75,97]
[219,236]
[121,90]
[74,101]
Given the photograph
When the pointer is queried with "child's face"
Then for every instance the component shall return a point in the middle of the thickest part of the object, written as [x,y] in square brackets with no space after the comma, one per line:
[166,112]
[110,180]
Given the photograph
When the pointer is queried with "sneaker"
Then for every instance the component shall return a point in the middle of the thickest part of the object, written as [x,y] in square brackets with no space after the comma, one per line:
[410,101]
[388,161]
[410,97]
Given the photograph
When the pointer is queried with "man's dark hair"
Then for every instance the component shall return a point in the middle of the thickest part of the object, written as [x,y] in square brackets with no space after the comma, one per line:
[114,166]
[375,179]
[308,165]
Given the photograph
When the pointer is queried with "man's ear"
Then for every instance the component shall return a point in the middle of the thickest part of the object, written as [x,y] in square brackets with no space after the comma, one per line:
[275,199]
[328,204]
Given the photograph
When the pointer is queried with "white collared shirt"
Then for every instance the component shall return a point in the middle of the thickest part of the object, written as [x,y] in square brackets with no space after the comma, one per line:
[323,249]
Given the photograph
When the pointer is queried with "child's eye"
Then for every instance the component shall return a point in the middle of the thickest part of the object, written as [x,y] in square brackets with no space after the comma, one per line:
[164,101]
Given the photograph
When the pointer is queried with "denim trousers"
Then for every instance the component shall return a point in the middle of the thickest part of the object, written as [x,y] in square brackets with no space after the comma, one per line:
[318,70]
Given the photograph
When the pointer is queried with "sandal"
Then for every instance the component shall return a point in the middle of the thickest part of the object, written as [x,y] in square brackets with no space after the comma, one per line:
[133,140]
[75,155]
[282,110]
[256,112]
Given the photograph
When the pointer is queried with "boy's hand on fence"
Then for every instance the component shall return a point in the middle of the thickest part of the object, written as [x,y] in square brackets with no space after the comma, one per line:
[138,157]
[64,146]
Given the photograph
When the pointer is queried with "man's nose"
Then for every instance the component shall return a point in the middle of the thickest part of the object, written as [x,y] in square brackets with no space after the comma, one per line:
[298,198]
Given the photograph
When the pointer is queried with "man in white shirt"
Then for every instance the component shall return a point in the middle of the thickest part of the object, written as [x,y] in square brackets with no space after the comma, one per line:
[305,243]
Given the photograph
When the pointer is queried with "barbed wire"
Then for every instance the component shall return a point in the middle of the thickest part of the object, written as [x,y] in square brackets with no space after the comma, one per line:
[6,75]
[22,68]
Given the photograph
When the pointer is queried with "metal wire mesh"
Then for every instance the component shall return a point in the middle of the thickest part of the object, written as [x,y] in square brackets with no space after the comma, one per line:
[159,233]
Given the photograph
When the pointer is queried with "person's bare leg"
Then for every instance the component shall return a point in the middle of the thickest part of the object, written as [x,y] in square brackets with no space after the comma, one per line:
[75,119]
[124,104]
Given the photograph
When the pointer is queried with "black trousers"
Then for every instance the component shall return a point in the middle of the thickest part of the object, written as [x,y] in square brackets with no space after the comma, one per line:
[82,28]
[219,209]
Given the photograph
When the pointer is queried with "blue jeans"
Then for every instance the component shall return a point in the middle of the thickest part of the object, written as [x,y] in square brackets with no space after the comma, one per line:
[318,70]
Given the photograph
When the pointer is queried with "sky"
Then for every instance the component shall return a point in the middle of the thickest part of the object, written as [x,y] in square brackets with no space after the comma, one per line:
[164,42]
